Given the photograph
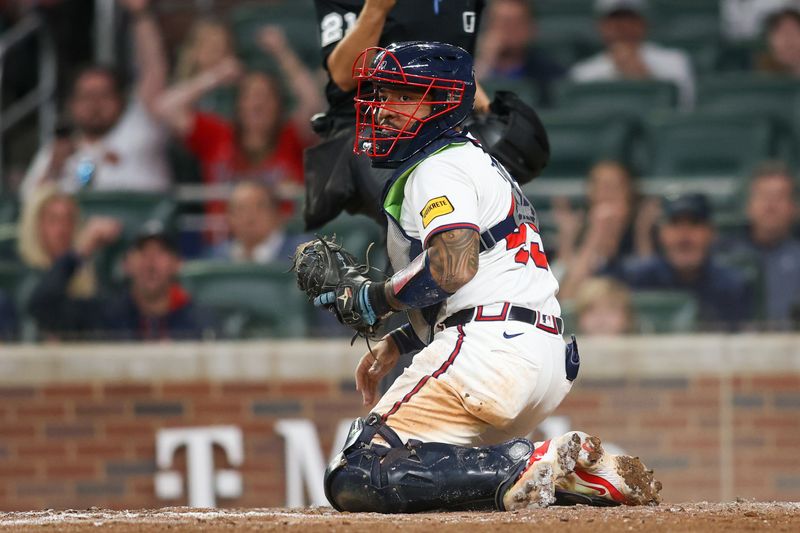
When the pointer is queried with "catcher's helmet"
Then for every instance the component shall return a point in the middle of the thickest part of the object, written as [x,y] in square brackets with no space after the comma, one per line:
[440,73]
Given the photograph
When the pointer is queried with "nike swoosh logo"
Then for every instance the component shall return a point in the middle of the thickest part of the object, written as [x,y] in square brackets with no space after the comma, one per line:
[507,336]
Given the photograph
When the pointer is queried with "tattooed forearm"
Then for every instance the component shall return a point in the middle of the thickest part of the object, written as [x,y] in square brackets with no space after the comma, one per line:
[454,258]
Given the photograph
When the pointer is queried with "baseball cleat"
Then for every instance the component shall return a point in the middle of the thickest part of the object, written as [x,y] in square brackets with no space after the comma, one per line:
[603,476]
[536,484]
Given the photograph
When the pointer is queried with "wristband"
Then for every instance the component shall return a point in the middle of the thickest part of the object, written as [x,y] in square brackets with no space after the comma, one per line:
[406,339]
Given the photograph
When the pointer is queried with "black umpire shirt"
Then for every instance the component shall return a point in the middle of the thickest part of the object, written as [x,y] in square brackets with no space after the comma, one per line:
[448,21]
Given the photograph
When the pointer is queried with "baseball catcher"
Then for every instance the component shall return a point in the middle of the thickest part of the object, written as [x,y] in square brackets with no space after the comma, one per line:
[472,276]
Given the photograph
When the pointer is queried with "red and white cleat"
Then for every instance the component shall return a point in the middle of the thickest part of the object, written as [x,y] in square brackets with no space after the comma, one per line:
[614,478]
[550,462]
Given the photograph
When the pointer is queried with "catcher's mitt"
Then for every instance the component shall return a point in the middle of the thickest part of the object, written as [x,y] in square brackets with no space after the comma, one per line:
[333,278]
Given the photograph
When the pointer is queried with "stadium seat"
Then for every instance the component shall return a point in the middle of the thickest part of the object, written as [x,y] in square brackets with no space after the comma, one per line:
[8,242]
[526,89]
[684,18]
[707,144]
[707,52]
[579,140]
[9,208]
[551,8]
[249,300]
[10,275]
[632,97]
[776,98]
[132,209]
[664,311]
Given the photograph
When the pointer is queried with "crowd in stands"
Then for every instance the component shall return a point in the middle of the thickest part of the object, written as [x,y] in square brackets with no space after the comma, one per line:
[622,252]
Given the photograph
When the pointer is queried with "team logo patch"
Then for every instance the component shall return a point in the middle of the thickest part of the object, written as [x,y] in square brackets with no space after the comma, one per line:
[435,207]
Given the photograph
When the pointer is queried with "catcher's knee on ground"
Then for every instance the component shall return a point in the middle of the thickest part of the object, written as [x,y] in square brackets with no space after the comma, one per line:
[419,476]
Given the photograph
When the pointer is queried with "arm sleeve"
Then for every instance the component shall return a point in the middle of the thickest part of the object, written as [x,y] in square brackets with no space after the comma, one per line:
[444,198]
[406,339]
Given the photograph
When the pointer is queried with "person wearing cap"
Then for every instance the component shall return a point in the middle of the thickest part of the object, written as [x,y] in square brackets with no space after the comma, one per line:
[768,242]
[685,263]
[153,306]
[628,56]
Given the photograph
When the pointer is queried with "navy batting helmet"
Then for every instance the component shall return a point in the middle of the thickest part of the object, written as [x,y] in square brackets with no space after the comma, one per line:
[437,87]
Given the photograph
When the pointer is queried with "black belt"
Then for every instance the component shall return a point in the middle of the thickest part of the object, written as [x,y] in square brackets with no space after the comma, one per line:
[548,323]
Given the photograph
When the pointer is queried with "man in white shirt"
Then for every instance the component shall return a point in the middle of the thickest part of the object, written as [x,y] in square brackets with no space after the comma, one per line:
[628,56]
[112,147]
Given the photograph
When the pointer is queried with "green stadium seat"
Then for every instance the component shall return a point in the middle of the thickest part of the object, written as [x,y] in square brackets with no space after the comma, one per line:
[8,242]
[130,208]
[249,300]
[776,98]
[578,33]
[684,18]
[664,311]
[526,89]
[551,8]
[10,275]
[9,208]
[607,97]
[707,144]
[706,51]
[579,140]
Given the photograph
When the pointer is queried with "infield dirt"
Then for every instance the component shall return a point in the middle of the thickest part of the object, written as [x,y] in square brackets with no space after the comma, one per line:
[738,516]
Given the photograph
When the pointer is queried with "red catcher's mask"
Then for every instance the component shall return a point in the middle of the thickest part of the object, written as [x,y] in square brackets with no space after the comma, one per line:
[390,143]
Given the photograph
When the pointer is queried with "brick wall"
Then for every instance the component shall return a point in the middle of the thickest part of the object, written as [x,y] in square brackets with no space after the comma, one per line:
[67,443]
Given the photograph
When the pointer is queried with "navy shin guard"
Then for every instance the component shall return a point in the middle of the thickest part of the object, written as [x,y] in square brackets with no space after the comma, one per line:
[418,476]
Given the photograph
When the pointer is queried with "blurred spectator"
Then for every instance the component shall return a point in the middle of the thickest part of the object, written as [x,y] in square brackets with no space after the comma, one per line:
[257,227]
[616,225]
[208,44]
[8,318]
[743,20]
[603,307]
[49,231]
[783,40]
[505,50]
[623,28]
[771,214]
[111,147]
[686,264]
[260,144]
[154,307]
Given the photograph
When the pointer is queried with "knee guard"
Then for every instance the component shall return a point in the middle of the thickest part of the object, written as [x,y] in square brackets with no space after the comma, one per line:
[419,476]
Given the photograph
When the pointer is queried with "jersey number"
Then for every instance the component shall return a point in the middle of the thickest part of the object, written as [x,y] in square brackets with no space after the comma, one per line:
[518,239]
[332,27]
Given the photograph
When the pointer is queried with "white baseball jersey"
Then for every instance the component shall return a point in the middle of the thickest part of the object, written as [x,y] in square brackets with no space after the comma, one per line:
[462,187]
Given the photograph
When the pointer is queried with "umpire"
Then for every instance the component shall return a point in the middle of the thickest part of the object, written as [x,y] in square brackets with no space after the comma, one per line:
[335,177]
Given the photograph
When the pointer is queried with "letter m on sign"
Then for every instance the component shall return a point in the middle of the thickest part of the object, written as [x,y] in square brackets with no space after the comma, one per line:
[305,467]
